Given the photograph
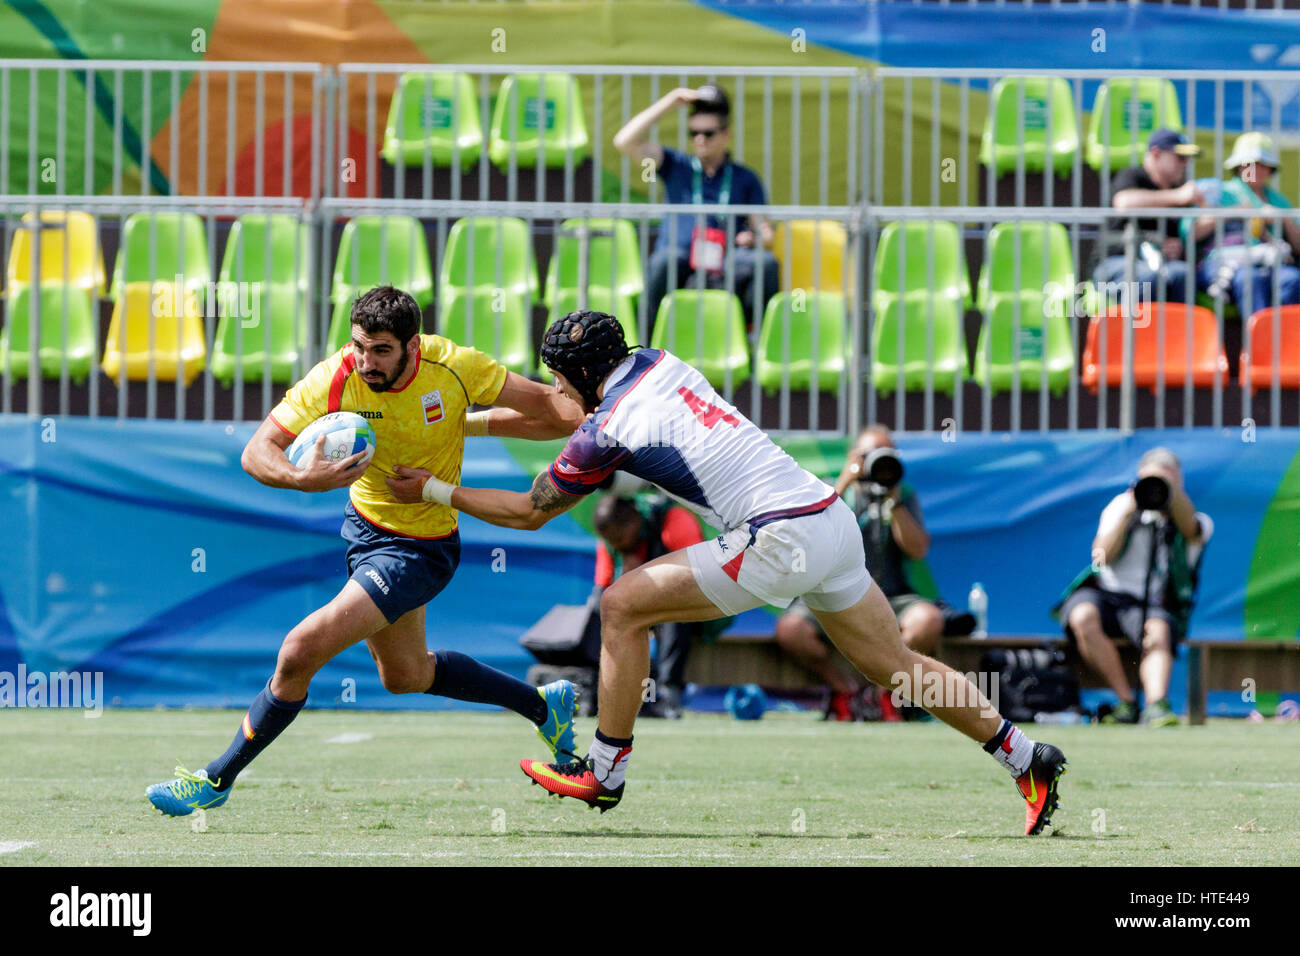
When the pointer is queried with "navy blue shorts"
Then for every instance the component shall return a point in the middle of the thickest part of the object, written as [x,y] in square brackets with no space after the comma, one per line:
[399,573]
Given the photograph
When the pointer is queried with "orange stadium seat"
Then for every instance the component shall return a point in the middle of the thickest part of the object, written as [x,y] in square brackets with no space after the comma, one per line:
[1257,364]
[1207,355]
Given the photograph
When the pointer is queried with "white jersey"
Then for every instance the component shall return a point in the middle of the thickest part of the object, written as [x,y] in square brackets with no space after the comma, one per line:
[1127,574]
[661,421]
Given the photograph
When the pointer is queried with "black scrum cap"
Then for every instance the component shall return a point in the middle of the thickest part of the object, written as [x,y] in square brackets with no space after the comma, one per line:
[584,347]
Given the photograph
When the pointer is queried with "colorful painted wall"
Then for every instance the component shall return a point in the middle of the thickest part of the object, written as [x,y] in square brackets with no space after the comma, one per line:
[629,32]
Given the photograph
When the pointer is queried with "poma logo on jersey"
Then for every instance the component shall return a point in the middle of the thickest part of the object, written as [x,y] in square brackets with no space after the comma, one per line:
[432,403]
[102,909]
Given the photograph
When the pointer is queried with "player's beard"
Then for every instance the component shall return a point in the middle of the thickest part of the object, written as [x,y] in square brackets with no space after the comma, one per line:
[387,383]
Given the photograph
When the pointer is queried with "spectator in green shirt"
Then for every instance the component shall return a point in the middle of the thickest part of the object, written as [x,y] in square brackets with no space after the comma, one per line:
[1250,250]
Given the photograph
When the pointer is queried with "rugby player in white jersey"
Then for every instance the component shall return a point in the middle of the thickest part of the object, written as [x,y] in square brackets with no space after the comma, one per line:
[786,535]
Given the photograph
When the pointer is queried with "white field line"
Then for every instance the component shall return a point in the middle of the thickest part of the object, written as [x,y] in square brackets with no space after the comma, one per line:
[531,855]
[675,781]
[13,846]
[352,738]
[431,731]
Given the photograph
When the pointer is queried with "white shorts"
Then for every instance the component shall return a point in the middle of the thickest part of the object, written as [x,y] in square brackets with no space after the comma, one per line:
[817,557]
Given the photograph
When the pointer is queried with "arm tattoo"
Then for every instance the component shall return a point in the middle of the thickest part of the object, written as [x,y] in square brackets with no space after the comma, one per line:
[546,497]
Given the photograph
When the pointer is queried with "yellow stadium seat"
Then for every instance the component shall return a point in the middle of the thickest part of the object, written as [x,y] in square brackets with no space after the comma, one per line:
[816,255]
[168,315]
[71,234]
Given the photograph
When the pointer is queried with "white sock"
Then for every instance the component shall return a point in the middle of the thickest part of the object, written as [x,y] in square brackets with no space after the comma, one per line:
[1015,752]
[609,761]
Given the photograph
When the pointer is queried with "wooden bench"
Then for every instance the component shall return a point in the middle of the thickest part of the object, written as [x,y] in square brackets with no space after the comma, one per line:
[1211,665]
[1226,665]
[756,659]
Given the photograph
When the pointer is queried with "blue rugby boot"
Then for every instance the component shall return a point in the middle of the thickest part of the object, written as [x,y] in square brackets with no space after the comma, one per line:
[187,793]
[561,703]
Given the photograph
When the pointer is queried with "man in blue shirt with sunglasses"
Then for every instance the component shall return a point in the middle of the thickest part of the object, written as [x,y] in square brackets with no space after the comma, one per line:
[687,246]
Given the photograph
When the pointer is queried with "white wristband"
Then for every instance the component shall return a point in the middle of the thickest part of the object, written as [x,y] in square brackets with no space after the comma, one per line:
[437,490]
[476,423]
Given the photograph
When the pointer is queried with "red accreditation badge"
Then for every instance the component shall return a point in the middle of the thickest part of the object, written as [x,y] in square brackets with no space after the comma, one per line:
[708,249]
[432,403]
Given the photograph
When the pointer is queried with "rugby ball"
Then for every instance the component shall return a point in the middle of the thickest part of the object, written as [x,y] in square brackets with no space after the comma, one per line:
[346,433]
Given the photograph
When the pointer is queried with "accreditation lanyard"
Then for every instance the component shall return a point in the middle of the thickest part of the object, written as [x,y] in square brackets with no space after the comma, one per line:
[708,245]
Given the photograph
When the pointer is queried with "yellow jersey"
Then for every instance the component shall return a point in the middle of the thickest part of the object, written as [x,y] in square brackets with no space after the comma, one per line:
[421,425]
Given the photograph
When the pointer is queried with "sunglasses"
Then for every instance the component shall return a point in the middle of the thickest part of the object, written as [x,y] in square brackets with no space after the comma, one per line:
[706,133]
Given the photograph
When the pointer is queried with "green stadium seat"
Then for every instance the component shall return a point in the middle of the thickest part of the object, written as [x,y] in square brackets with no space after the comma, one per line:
[340,330]
[379,250]
[1157,108]
[1042,95]
[950,278]
[181,249]
[1042,341]
[777,357]
[705,328]
[599,299]
[1044,254]
[911,317]
[245,259]
[155,325]
[485,238]
[71,234]
[546,135]
[280,327]
[613,258]
[505,335]
[433,114]
[1089,301]
[78,345]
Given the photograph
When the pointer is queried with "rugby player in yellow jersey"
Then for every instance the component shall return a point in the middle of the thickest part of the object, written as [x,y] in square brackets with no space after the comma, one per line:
[416,391]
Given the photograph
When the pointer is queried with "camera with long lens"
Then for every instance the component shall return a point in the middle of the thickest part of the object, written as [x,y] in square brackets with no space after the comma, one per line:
[881,470]
[1152,493]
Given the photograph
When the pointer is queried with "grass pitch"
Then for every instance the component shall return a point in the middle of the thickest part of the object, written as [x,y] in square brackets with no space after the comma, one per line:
[344,788]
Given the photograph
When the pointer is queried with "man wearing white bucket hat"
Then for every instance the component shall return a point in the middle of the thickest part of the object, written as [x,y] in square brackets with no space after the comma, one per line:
[1251,253]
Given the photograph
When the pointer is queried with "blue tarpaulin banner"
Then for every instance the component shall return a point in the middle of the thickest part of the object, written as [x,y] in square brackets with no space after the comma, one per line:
[1076,36]
[142,549]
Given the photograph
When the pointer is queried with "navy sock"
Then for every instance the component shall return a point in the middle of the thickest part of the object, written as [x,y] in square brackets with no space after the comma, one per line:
[461,677]
[996,740]
[618,742]
[267,716]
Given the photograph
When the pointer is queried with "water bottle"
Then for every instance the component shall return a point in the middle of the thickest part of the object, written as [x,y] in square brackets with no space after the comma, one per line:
[1060,717]
[1211,191]
[978,602]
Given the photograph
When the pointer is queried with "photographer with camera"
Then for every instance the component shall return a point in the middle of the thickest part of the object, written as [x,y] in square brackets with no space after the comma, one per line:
[1140,586]
[889,517]
[634,531]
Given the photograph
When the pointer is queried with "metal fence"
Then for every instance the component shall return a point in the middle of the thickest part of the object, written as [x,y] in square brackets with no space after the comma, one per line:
[846,156]
[122,307]
[781,117]
[172,128]
[715,319]
[955,149]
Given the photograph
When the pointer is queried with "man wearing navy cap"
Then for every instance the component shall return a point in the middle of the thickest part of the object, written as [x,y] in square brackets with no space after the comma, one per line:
[708,175]
[1161,181]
